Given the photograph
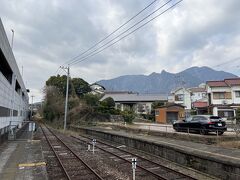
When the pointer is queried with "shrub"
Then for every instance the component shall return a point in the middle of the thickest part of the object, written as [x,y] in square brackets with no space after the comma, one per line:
[128,116]
[108,102]
[238,116]
[91,100]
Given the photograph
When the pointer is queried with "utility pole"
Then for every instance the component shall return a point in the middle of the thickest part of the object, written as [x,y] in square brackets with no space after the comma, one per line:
[66,100]
[32,107]
[22,72]
[12,37]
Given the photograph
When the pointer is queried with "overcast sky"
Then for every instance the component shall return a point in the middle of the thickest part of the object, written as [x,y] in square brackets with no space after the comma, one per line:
[50,32]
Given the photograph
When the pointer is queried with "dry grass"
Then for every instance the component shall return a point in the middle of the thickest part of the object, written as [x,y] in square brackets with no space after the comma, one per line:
[230,144]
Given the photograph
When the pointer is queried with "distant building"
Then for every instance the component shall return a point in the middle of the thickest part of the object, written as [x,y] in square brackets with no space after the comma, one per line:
[169,113]
[97,89]
[197,93]
[139,103]
[199,99]
[224,97]
[182,96]
[191,98]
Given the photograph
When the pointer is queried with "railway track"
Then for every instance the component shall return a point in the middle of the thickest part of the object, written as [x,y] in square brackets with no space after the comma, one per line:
[150,167]
[73,167]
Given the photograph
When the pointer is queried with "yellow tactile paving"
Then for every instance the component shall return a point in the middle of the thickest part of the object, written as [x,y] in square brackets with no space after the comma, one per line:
[32,164]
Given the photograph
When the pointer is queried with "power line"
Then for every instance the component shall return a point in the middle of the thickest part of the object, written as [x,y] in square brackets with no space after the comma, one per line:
[73,62]
[106,37]
[90,55]
[230,61]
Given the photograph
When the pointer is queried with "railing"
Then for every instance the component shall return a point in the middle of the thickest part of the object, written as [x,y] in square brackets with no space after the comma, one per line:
[168,128]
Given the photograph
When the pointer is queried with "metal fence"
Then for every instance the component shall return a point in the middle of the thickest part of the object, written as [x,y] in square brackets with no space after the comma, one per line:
[21,130]
[169,131]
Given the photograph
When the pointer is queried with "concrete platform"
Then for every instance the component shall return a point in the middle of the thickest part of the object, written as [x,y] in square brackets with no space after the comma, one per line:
[221,162]
[22,159]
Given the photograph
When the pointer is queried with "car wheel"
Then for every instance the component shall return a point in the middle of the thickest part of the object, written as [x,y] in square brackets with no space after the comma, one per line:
[177,129]
[220,133]
[203,131]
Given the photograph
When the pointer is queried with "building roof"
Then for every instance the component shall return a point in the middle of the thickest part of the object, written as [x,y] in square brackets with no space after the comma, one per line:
[224,83]
[178,89]
[197,89]
[200,104]
[136,97]
[217,84]
[233,82]
[173,104]
[170,105]
[120,92]
[96,84]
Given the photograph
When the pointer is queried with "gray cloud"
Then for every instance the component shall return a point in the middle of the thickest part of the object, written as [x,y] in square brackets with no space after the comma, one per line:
[48,33]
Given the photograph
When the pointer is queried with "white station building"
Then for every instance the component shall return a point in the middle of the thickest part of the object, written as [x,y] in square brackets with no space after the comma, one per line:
[13,94]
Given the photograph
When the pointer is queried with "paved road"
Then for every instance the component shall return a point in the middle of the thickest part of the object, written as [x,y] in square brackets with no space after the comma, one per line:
[162,127]
[169,128]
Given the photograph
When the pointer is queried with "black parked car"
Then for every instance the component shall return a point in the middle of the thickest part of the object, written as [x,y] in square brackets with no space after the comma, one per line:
[202,124]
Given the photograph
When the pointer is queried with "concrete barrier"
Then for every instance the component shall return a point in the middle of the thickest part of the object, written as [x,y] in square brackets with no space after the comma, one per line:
[210,163]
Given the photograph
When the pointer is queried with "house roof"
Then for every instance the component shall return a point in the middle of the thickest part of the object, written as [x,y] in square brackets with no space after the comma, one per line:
[136,97]
[120,92]
[177,89]
[224,83]
[173,104]
[96,84]
[197,89]
[233,82]
[170,105]
[200,104]
[217,84]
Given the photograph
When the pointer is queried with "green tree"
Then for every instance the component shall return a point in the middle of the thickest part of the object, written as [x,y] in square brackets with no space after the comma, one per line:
[238,116]
[76,84]
[53,103]
[60,82]
[81,87]
[157,104]
[91,100]
[108,102]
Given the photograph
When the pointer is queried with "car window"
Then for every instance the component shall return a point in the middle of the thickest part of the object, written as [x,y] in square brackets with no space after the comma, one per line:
[188,119]
[202,118]
[215,118]
[195,118]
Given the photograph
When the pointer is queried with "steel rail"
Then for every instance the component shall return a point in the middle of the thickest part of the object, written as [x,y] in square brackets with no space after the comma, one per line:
[152,173]
[84,163]
[59,160]
[138,156]
[92,170]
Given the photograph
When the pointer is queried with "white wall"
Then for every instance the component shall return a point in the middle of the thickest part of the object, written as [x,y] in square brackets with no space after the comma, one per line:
[10,99]
[186,98]
[236,100]
[220,89]
[197,96]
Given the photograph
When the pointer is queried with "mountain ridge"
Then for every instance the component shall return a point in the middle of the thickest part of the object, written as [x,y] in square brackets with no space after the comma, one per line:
[165,81]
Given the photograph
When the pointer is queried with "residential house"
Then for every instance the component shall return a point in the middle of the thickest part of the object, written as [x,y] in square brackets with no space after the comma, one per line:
[199,99]
[169,113]
[224,97]
[139,103]
[197,93]
[182,96]
[97,89]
